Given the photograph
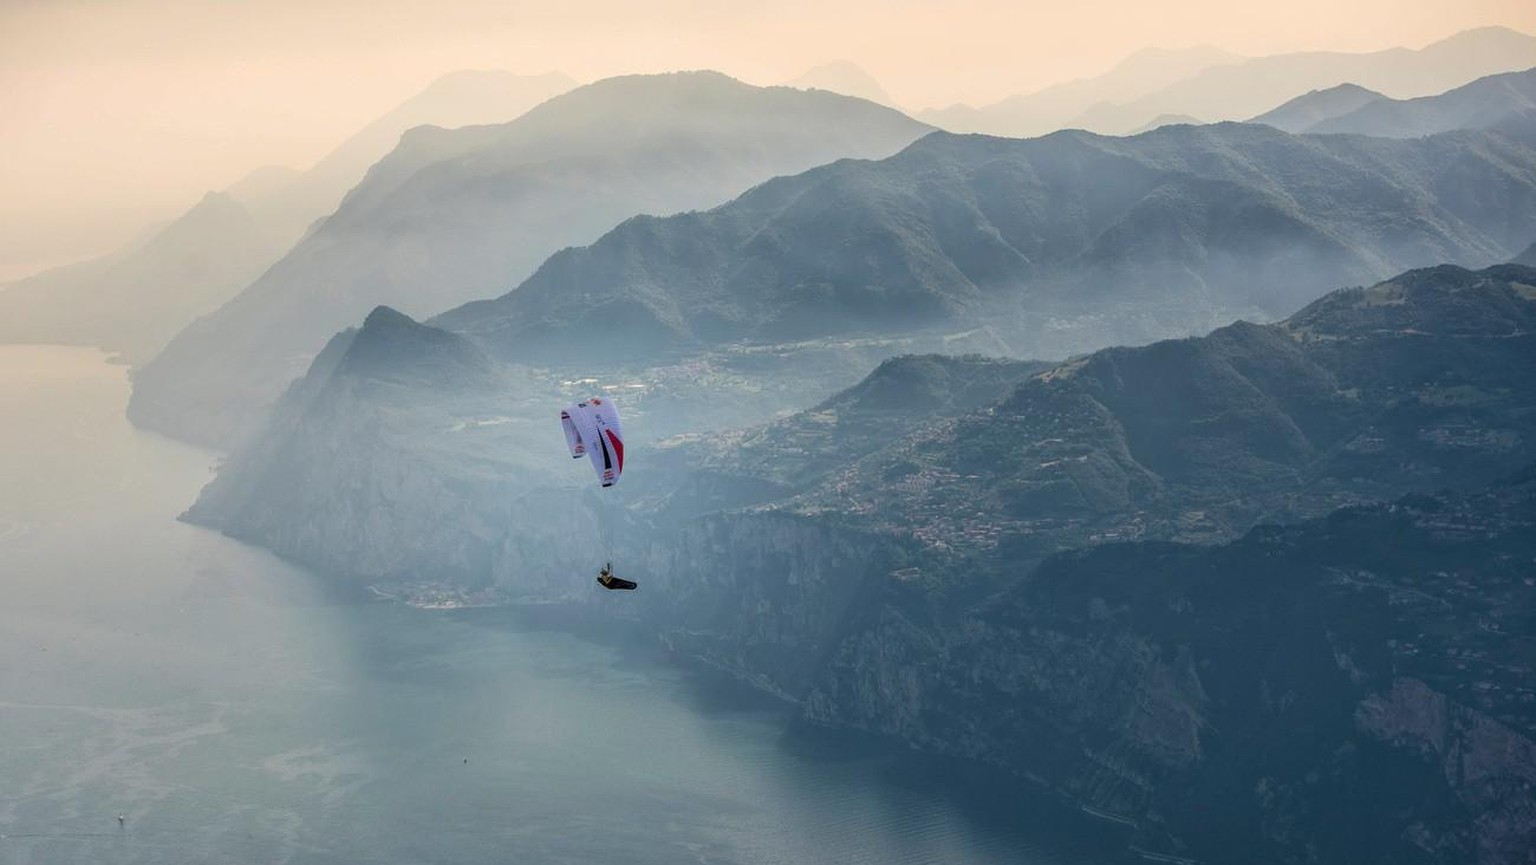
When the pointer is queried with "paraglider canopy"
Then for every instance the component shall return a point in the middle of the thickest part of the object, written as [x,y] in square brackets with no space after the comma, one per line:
[592,428]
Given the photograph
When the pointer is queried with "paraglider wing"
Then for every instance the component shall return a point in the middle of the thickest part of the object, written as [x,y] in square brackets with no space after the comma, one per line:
[572,436]
[597,423]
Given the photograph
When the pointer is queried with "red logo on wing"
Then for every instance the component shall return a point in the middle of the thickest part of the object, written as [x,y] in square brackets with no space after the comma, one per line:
[618,447]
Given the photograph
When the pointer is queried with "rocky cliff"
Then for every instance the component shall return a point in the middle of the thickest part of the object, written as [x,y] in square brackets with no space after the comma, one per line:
[1355,688]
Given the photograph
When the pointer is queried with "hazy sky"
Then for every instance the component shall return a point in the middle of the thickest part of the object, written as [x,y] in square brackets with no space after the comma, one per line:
[117,110]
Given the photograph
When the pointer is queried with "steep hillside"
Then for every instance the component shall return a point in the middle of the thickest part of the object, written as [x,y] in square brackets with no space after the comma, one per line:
[133,302]
[1421,382]
[1054,245]
[1349,689]
[454,215]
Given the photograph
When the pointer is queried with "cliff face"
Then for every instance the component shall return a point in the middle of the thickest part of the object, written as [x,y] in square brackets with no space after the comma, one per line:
[1354,688]
[763,598]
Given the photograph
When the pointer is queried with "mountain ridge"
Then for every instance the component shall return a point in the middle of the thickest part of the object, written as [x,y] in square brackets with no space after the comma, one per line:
[428,227]
[960,231]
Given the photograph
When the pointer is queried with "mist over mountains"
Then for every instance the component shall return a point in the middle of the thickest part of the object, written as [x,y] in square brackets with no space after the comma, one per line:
[1059,106]
[132,302]
[1348,109]
[463,98]
[1189,476]
[841,76]
[1049,246]
[1213,87]
[452,216]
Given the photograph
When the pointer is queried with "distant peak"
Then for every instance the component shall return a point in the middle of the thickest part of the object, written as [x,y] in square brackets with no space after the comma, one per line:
[1348,87]
[393,345]
[388,317]
[842,76]
[215,198]
[1492,34]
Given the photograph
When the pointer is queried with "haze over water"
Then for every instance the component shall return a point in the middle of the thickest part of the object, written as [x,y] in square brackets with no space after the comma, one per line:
[230,711]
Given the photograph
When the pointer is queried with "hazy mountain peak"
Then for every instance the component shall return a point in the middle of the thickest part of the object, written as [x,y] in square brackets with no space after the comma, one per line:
[1527,258]
[1493,36]
[1315,106]
[842,76]
[392,345]
[1244,89]
[1489,101]
[386,318]
[1042,111]
[1167,120]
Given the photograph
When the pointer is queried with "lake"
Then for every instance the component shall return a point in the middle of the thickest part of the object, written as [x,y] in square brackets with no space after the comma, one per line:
[233,710]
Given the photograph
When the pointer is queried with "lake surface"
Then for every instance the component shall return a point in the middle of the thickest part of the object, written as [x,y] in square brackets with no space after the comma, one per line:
[232,711]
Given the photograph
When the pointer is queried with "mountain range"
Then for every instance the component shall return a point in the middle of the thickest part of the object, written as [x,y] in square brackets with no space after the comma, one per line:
[1170,627]
[1211,86]
[1352,688]
[1485,102]
[132,302]
[1110,575]
[1060,105]
[464,98]
[451,216]
[1046,246]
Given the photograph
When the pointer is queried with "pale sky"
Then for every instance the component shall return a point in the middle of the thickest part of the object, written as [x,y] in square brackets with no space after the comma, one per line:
[117,111]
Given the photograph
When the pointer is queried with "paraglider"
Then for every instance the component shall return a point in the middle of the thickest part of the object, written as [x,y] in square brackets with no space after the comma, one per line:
[609,581]
[592,429]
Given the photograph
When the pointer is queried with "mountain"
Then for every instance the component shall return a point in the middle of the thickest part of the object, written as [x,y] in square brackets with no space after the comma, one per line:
[1483,103]
[1302,113]
[1178,584]
[1352,688]
[1167,120]
[1415,383]
[739,468]
[841,76]
[977,467]
[463,98]
[133,302]
[1245,89]
[1047,246]
[1057,106]
[450,216]
[1136,669]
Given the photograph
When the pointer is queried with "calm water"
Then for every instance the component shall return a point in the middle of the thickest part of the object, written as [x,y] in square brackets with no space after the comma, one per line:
[214,697]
